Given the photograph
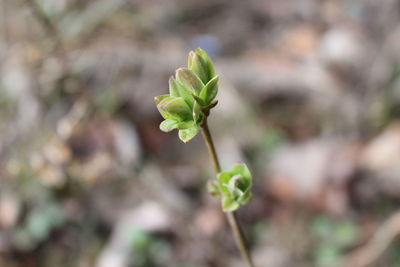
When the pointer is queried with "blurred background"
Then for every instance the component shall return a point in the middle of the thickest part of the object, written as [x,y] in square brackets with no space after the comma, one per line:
[309,98]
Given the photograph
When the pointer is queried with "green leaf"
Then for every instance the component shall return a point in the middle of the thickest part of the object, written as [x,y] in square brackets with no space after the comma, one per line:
[246,198]
[189,78]
[210,90]
[173,87]
[185,125]
[225,190]
[197,64]
[229,204]
[188,134]
[235,187]
[175,108]
[208,61]
[160,98]
[243,171]
[224,177]
[177,89]
[168,125]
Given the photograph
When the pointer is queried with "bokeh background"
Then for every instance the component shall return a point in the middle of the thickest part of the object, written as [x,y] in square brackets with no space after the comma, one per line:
[309,99]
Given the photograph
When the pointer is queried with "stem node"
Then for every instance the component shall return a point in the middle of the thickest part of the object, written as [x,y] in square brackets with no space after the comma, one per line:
[232,218]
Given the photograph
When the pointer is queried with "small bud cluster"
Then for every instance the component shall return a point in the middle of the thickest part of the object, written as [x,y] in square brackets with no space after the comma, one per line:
[233,187]
[191,96]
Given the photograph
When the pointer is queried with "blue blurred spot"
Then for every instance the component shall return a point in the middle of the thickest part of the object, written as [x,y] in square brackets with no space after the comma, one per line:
[208,43]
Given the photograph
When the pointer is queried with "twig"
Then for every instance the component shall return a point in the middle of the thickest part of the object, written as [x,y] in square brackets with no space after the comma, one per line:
[232,218]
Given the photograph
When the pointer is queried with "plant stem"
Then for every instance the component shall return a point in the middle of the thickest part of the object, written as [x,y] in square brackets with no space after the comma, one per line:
[211,148]
[232,218]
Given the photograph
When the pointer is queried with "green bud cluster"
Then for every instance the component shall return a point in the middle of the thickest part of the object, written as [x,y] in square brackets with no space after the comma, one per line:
[191,96]
[232,187]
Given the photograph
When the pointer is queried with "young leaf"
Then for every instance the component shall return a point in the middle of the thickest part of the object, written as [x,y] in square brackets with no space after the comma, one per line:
[185,125]
[229,204]
[210,90]
[161,101]
[189,78]
[187,134]
[168,125]
[243,171]
[224,178]
[160,98]
[245,198]
[173,88]
[175,108]
[208,61]
[177,89]
[235,187]
[197,64]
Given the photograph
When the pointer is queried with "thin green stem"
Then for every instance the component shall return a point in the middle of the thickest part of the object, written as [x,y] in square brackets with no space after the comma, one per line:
[239,238]
[211,148]
[232,218]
